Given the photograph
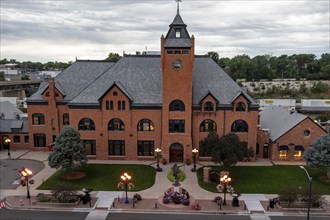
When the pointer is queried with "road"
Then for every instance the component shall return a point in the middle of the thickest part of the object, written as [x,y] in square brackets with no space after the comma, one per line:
[7,214]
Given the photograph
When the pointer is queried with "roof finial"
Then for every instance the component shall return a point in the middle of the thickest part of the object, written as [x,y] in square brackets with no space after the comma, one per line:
[178,6]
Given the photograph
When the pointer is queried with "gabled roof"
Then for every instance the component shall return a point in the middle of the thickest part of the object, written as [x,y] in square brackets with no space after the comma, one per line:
[57,86]
[279,120]
[9,111]
[6,126]
[74,79]
[122,89]
[171,41]
[206,94]
[243,93]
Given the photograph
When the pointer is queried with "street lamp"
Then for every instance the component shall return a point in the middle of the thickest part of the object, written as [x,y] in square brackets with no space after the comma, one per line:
[126,178]
[310,191]
[158,150]
[26,173]
[225,180]
[7,141]
[194,151]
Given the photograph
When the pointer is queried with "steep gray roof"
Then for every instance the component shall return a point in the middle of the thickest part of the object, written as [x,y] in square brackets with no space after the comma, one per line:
[7,124]
[9,111]
[171,41]
[279,120]
[140,77]
[75,78]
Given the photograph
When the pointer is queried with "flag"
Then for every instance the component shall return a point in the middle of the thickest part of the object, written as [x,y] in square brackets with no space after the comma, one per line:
[2,203]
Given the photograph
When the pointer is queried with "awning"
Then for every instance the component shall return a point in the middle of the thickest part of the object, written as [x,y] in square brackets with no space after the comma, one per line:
[299,147]
[284,147]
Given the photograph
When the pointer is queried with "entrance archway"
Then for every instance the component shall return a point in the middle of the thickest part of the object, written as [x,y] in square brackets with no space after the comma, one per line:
[176,152]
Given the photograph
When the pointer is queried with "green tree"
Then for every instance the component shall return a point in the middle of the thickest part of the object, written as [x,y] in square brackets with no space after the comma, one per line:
[69,151]
[113,57]
[2,76]
[226,150]
[214,56]
[25,77]
[318,155]
[319,87]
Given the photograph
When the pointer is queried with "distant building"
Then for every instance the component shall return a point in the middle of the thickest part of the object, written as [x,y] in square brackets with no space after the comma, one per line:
[9,111]
[289,104]
[285,135]
[315,106]
[17,131]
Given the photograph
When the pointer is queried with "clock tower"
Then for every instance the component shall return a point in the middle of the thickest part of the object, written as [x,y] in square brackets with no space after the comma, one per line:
[177,61]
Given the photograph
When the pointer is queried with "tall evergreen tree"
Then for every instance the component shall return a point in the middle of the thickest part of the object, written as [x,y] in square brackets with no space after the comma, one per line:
[69,151]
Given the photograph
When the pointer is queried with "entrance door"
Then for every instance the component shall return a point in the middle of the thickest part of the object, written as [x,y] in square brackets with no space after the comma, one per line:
[265,151]
[176,153]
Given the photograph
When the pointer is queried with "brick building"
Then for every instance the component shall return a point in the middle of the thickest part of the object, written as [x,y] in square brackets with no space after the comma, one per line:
[285,135]
[125,110]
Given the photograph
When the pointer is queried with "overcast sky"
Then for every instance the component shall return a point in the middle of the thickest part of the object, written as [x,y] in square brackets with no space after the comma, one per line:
[61,30]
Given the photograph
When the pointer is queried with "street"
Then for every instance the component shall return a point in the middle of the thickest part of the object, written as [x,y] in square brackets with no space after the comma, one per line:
[8,214]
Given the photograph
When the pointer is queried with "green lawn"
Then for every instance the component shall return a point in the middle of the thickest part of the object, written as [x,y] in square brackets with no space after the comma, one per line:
[106,177]
[268,180]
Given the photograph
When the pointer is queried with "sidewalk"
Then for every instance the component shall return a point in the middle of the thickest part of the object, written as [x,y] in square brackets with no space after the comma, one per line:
[108,201]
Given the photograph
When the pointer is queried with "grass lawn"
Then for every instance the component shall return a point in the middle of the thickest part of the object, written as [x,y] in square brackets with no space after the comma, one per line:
[106,177]
[268,180]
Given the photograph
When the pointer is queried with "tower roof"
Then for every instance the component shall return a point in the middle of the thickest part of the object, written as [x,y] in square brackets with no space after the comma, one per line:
[177,36]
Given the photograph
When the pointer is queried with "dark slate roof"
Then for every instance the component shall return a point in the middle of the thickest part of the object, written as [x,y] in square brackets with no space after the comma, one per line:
[140,78]
[73,80]
[177,43]
[7,124]
[208,76]
[171,41]
[279,120]
[178,20]
[9,111]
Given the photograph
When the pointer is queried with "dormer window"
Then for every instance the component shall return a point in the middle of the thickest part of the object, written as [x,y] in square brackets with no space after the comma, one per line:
[177,33]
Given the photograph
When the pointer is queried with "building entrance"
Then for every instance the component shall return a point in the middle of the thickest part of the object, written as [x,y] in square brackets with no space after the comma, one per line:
[176,153]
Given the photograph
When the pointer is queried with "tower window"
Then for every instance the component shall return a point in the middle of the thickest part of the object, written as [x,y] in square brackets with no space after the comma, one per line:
[177,33]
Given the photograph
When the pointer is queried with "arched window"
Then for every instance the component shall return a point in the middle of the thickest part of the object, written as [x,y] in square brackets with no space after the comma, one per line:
[111,105]
[240,107]
[208,107]
[208,125]
[116,125]
[119,105]
[177,105]
[66,119]
[123,105]
[107,105]
[38,119]
[239,126]
[145,125]
[86,124]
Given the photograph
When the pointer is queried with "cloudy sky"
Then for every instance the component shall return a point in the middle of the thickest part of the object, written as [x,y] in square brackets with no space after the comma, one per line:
[61,30]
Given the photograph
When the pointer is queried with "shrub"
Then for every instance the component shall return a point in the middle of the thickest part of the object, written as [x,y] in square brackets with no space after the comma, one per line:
[181,176]
[164,161]
[64,192]
[188,161]
[43,198]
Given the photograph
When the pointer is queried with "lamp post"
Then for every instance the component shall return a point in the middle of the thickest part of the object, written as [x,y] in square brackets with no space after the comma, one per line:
[7,141]
[194,151]
[125,177]
[310,191]
[25,172]
[225,180]
[158,150]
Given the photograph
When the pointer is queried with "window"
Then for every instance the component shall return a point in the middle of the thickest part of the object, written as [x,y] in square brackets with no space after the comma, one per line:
[39,140]
[115,93]
[298,151]
[177,33]
[86,124]
[90,147]
[240,107]
[145,148]
[116,125]
[146,125]
[208,107]
[111,105]
[123,105]
[117,147]
[239,126]
[208,126]
[119,105]
[47,94]
[17,139]
[26,139]
[283,153]
[107,107]
[307,133]
[170,52]
[177,105]
[38,119]
[66,119]
[176,126]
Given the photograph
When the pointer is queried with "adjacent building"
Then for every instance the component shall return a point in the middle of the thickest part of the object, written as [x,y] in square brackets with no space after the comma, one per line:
[125,110]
